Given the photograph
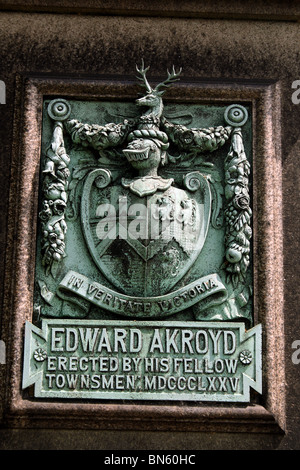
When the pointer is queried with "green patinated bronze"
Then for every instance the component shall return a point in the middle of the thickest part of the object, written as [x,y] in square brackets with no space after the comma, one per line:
[145,215]
[143,360]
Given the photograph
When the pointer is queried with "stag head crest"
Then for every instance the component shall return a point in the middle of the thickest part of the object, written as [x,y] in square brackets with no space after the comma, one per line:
[159,90]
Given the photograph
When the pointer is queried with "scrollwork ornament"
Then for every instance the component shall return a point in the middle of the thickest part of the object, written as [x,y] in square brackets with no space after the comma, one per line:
[192,181]
[104,178]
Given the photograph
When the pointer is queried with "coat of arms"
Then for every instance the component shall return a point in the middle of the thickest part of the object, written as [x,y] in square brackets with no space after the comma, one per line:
[143,280]
[148,216]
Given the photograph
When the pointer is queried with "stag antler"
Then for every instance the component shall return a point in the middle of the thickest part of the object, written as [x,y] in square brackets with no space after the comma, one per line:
[143,72]
[172,77]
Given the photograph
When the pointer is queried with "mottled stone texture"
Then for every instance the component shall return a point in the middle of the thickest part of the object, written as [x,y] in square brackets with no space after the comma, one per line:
[210,46]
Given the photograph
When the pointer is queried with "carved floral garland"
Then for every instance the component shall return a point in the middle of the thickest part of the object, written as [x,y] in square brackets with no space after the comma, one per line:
[55,186]
[237,213]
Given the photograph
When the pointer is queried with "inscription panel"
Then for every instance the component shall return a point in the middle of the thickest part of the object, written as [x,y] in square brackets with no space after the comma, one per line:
[143,360]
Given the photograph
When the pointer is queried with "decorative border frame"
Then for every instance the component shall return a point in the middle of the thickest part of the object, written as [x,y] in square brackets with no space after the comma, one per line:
[268,415]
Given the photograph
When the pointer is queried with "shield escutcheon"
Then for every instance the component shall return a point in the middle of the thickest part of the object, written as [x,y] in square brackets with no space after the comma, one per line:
[145,245]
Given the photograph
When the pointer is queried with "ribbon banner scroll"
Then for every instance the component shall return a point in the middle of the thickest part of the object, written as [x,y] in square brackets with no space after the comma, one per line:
[206,291]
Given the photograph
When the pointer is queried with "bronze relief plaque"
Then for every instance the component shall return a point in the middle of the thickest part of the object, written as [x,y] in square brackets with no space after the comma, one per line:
[143,280]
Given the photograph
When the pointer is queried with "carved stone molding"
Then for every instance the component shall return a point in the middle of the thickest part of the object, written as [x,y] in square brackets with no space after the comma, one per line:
[266,414]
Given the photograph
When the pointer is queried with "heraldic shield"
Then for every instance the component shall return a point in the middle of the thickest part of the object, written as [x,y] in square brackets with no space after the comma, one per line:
[144,245]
